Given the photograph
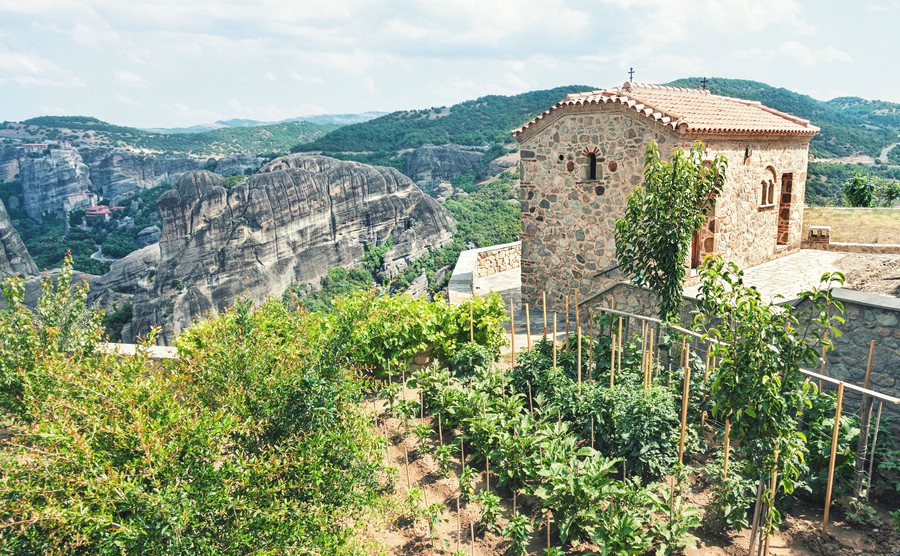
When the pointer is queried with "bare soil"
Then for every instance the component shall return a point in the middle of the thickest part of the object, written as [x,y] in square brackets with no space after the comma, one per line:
[872,273]
[389,531]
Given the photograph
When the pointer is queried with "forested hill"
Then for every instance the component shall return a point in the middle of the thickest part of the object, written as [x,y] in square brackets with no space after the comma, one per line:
[89,131]
[485,121]
[850,125]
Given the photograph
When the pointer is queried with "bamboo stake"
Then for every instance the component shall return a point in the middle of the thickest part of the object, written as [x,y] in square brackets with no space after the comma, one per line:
[406,459]
[554,341]
[874,445]
[458,525]
[619,349]
[422,398]
[472,535]
[591,344]
[512,333]
[705,379]
[544,300]
[650,362]
[440,430]
[644,355]
[684,407]
[567,321]
[549,520]
[592,433]
[471,320]
[578,331]
[487,473]
[528,324]
[771,503]
[727,449]
[754,528]
[612,362]
[831,460]
[577,312]
[865,418]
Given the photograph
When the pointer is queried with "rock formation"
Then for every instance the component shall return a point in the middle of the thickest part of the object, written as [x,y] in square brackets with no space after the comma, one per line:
[290,223]
[117,174]
[148,236]
[238,165]
[431,165]
[46,181]
[10,161]
[14,257]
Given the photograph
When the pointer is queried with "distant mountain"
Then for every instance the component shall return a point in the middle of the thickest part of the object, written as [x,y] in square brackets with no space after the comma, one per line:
[86,131]
[850,125]
[483,122]
[320,119]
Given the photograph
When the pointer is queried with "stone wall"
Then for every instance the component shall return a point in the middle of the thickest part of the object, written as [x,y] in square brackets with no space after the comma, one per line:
[568,220]
[498,259]
[868,317]
[627,297]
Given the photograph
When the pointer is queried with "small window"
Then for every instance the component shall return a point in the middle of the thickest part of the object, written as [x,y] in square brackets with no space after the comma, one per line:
[592,166]
[767,193]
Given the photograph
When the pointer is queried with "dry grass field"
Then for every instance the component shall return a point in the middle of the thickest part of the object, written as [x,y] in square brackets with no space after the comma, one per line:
[855,225]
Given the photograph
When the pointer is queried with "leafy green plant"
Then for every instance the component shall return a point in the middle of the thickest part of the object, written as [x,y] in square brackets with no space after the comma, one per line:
[443,456]
[412,504]
[732,498]
[467,483]
[671,531]
[553,551]
[434,515]
[653,238]
[517,533]
[470,357]
[490,511]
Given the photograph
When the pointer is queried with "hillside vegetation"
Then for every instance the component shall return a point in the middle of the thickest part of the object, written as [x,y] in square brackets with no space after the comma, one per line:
[84,130]
[850,125]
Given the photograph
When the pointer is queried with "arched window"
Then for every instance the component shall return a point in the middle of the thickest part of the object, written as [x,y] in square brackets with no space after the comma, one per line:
[767,196]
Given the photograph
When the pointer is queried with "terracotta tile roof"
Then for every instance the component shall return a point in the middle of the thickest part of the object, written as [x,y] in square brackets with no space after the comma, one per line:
[689,111]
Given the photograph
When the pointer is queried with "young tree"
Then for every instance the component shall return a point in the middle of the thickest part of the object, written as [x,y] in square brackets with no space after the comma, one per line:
[653,238]
[859,191]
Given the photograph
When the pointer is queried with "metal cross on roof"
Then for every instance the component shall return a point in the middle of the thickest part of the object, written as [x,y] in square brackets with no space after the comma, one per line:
[704,83]
[630,74]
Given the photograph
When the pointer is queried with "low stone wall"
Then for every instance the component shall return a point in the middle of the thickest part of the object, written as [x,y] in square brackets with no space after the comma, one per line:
[868,317]
[498,258]
[475,264]
[873,248]
[624,296]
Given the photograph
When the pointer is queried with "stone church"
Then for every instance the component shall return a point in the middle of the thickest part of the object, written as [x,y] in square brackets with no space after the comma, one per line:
[582,158]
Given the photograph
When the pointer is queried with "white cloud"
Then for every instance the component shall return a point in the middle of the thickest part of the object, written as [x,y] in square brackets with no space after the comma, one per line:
[832,54]
[127,100]
[27,69]
[798,52]
[131,80]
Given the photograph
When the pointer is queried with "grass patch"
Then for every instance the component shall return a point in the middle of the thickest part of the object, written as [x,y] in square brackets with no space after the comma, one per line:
[858,225]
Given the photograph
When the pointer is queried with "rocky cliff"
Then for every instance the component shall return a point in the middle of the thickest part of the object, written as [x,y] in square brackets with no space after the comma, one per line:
[290,223]
[14,258]
[431,165]
[10,160]
[46,181]
[118,174]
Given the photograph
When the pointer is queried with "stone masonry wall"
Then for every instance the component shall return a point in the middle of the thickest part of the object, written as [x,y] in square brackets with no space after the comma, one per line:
[568,221]
[506,257]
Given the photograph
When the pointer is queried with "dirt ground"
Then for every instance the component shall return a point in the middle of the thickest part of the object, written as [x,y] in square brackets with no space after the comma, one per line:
[872,273]
[387,532]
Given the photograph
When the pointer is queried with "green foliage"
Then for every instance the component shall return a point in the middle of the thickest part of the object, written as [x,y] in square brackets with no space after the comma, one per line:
[223,141]
[485,216]
[859,191]
[734,496]
[818,427]
[483,121]
[488,315]
[653,238]
[758,384]
[517,533]
[114,322]
[470,357]
[490,511]
[119,243]
[824,185]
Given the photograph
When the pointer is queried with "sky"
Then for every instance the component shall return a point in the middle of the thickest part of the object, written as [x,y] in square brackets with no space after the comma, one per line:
[169,63]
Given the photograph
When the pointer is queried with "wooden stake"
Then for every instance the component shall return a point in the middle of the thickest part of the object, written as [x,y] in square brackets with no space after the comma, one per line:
[406,459]
[462,454]
[528,325]
[549,520]
[684,407]
[544,300]
[874,445]
[487,473]
[822,371]
[530,401]
[592,433]
[554,341]
[705,379]
[650,362]
[771,503]
[831,460]
[458,525]
[422,398]
[869,365]
[578,331]
[567,322]
[577,312]
[619,348]
[512,334]
[727,448]
[865,418]
[440,430]
[472,320]
[591,344]
[472,535]
[612,361]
